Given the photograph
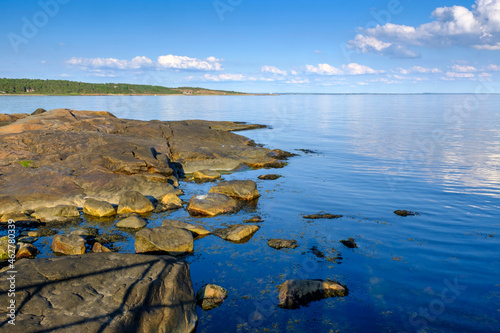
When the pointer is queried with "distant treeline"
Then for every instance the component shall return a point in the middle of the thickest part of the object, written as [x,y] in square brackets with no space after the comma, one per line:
[63,87]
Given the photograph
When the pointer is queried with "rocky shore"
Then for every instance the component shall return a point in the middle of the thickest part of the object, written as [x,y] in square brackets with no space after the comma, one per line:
[60,166]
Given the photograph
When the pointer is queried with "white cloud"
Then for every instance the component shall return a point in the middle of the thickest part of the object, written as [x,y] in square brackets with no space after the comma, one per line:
[493,68]
[273,70]
[463,69]
[459,75]
[183,62]
[350,69]
[234,77]
[140,63]
[478,27]
[485,75]
[64,75]
[297,81]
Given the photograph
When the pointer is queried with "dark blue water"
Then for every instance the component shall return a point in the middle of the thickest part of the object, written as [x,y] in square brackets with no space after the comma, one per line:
[438,155]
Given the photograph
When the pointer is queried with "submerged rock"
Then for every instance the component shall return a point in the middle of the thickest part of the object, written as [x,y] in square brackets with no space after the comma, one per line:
[349,242]
[237,232]
[68,244]
[134,202]
[206,176]
[212,204]
[61,213]
[132,222]
[322,216]
[405,212]
[98,208]
[296,293]
[254,219]
[87,233]
[277,244]
[102,292]
[174,241]
[238,189]
[196,229]
[269,177]
[211,296]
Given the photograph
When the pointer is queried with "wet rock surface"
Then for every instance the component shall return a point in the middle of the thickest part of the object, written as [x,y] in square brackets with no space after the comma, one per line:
[174,241]
[269,177]
[132,222]
[277,244]
[296,293]
[237,189]
[196,229]
[98,208]
[237,233]
[322,216]
[210,296]
[206,176]
[68,244]
[402,212]
[102,292]
[212,204]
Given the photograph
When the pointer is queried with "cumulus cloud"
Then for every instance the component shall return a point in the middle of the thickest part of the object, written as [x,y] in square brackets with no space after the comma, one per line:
[350,69]
[234,77]
[418,69]
[463,68]
[478,27]
[140,63]
[273,70]
[459,75]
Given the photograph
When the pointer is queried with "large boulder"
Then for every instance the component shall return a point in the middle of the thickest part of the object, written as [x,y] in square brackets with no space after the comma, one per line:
[4,248]
[237,232]
[61,213]
[295,293]
[68,244]
[98,208]
[134,202]
[102,292]
[196,229]
[210,296]
[174,241]
[212,204]
[238,189]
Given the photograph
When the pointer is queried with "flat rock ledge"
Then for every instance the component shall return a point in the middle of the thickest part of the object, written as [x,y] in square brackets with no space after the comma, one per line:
[101,292]
[63,157]
[296,293]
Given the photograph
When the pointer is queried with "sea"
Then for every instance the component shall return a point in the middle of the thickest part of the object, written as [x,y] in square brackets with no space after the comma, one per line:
[362,157]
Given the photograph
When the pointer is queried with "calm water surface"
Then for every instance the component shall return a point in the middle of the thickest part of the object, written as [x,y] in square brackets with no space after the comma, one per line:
[438,155]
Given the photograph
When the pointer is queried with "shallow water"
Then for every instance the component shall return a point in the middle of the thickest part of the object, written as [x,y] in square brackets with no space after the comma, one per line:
[438,155]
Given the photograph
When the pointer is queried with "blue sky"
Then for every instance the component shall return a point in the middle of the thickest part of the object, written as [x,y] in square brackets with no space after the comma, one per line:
[265,46]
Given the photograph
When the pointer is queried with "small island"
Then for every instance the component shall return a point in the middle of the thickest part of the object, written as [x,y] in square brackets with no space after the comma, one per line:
[65,87]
